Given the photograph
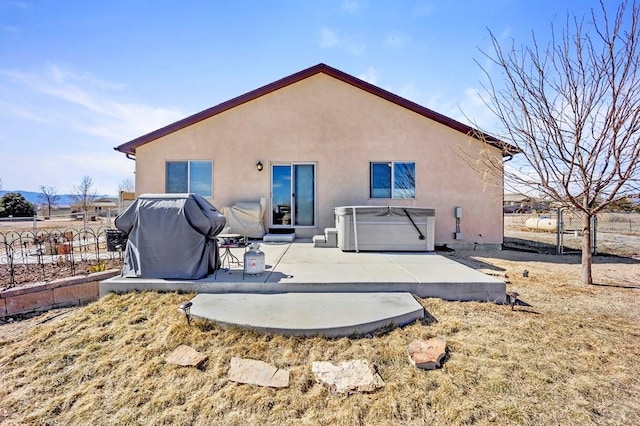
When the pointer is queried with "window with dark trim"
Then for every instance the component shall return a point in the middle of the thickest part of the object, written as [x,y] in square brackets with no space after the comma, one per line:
[189,176]
[393,179]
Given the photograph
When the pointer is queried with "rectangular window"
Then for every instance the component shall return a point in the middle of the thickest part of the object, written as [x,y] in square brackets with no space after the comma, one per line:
[380,180]
[189,176]
[393,180]
[404,180]
[177,179]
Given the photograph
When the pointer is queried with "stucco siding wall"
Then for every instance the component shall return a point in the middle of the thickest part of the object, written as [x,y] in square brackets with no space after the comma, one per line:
[341,129]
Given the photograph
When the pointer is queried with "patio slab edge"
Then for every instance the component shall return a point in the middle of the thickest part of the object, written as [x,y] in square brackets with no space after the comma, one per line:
[485,290]
[309,314]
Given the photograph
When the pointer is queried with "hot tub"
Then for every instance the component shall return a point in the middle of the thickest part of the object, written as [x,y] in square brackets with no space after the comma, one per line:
[385,228]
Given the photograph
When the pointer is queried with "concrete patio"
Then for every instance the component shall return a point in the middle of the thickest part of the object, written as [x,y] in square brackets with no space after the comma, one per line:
[300,268]
[324,291]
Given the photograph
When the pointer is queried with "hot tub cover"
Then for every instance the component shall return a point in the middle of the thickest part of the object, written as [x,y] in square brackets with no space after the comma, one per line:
[171,236]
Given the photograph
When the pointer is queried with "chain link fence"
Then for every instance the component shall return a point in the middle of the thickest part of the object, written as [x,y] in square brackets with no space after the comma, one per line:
[615,233]
[607,222]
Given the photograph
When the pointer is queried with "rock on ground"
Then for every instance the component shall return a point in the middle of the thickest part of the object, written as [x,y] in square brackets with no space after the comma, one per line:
[186,356]
[259,373]
[348,376]
[427,354]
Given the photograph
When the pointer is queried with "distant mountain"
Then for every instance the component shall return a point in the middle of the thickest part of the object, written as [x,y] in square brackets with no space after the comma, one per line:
[63,199]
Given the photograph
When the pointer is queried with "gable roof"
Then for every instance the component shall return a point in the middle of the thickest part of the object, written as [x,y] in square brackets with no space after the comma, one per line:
[130,147]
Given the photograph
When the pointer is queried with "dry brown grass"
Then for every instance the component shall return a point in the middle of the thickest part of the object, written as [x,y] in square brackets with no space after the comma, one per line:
[569,358]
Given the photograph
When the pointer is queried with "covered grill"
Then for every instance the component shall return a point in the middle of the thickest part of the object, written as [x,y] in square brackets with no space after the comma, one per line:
[171,236]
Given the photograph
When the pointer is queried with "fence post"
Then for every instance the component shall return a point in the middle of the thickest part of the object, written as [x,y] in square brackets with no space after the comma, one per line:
[559,242]
[594,230]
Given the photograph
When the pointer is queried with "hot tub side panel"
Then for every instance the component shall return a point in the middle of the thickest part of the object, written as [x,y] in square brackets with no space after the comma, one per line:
[384,228]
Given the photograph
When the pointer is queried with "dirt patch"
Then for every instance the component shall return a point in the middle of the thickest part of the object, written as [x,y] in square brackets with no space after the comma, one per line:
[615,271]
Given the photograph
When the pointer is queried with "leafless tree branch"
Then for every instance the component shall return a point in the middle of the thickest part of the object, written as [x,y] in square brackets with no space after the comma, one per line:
[49,197]
[572,108]
[84,194]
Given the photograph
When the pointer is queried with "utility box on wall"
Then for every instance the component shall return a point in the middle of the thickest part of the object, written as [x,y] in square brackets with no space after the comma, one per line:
[457,212]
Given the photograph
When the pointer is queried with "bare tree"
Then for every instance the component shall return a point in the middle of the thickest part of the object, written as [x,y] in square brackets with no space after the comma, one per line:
[0,184]
[49,197]
[84,194]
[573,110]
[126,185]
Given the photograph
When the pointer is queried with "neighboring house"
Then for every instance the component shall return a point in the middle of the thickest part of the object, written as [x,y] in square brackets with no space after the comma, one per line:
[319,139]
[97,207]
[104,206]
[521,203]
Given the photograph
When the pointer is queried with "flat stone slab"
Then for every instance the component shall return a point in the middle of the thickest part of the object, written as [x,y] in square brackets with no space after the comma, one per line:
[309,314]
[255,372]
[348,376]
[186,356]
[427,354]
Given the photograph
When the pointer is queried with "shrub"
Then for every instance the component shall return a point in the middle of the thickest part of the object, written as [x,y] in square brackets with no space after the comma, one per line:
[14,204]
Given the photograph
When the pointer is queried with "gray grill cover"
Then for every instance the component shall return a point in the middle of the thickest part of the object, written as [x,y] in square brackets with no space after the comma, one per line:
[171,236]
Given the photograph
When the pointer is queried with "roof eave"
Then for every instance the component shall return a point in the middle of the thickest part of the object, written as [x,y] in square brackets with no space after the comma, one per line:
[130,147]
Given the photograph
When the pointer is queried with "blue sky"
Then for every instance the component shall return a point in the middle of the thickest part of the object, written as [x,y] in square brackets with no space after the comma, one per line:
[78,78]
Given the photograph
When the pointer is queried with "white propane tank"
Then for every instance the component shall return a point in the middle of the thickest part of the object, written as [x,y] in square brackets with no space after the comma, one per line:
[254,260]
[542,223]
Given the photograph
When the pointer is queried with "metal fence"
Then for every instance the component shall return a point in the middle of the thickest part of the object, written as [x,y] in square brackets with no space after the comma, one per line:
[41,253]
[612,233]
[623,223]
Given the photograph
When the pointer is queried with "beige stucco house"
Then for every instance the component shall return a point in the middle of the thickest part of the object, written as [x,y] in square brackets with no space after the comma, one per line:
[319,139]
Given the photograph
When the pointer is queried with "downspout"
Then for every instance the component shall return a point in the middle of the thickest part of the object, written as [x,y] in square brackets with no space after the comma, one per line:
[130,157]
[508,157]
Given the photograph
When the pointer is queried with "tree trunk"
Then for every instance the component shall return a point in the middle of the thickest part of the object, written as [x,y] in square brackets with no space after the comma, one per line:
[587,258]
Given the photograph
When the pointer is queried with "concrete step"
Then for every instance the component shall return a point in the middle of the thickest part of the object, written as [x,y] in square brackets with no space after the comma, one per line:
[328,240]
[309,314]
[279,238]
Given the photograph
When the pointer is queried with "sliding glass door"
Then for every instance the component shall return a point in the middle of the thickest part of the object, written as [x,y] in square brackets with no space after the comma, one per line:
[293,189]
